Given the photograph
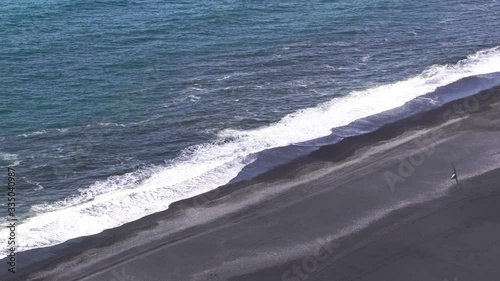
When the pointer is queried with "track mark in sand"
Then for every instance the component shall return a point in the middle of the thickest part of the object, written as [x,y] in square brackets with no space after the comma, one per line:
[496,153]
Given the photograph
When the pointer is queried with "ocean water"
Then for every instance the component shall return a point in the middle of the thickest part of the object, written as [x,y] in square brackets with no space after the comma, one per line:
[113,109]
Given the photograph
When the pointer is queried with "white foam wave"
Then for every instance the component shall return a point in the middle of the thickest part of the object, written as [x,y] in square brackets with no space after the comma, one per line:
[317,122]
[26,135]
[43,132]
[200,168]
[9,159]
[106,124]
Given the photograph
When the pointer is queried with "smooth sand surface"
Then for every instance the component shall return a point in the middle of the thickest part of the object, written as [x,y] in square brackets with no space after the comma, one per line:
[380,206]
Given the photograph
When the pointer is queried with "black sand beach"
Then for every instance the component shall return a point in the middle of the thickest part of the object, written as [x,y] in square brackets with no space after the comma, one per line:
[380,206]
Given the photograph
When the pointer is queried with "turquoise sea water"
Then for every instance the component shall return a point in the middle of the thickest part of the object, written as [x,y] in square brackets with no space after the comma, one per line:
[112,110]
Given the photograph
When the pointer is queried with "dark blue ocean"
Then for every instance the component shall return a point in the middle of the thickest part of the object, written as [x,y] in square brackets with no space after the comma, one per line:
[113,109]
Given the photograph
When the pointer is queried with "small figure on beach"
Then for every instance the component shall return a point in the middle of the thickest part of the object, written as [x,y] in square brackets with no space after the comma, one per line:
[454,176]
